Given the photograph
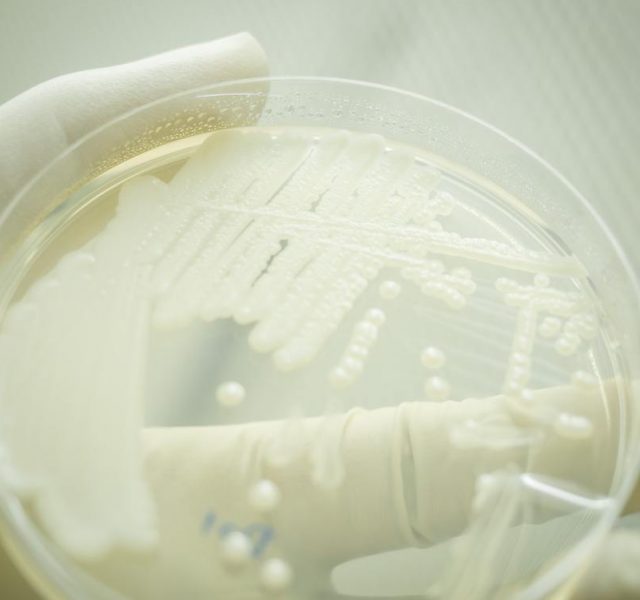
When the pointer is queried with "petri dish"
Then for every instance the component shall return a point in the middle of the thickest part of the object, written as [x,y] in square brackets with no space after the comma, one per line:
[310,338]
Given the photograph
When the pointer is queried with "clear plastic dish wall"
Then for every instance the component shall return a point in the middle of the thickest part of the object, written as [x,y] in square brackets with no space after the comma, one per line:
[453,136]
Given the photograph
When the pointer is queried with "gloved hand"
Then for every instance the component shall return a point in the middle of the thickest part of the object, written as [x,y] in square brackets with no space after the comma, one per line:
[614,571]
[362,483]
[43,121]
[40,123]
[404,483]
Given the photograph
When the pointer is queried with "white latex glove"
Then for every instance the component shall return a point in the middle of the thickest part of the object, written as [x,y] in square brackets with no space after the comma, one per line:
[40,123]
[615,569]
[405,483]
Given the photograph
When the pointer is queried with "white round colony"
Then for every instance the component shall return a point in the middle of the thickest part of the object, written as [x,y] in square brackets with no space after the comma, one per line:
[230,394]
[432,357]
[437,388]
[264,496]
[236,549]
[276,575]
[376,316]
[389,289]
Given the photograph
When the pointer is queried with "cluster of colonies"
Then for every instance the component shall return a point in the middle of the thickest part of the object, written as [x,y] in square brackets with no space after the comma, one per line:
[435,387]
[264,497]
[288,230]
[237,550]
[352,361]
[566,316]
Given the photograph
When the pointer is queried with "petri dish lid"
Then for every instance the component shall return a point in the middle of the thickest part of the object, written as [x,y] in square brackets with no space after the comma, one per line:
[500,489]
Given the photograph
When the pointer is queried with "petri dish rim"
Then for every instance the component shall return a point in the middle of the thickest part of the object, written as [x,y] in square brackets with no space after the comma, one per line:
[56,576]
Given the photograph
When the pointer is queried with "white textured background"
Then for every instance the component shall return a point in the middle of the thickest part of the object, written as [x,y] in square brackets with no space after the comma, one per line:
[563,76]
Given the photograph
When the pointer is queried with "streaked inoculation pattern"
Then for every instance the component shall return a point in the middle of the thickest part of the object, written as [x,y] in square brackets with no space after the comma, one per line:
[287,230]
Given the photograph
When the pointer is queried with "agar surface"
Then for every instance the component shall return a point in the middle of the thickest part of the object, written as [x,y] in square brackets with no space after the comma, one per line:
[281,232]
